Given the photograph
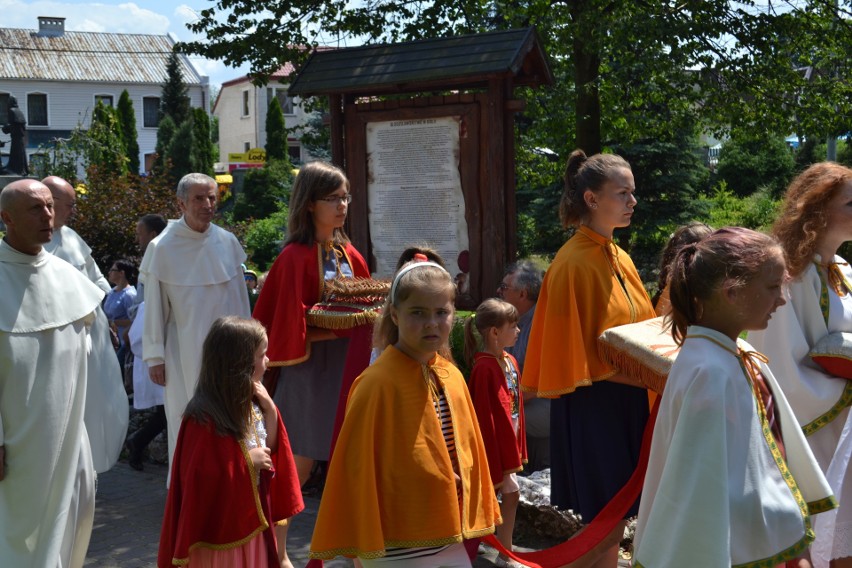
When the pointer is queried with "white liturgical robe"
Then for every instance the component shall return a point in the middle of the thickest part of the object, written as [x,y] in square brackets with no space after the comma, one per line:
[107,409]
[718,491]
[191,279]
[47,498]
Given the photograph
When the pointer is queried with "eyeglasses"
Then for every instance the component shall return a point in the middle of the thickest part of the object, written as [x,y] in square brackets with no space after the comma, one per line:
[337,199]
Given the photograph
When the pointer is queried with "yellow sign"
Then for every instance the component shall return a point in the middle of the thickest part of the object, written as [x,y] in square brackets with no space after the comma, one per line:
[253,156]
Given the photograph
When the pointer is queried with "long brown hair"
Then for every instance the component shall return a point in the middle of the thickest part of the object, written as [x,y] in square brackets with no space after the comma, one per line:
[804,214]
[492,312]
[224,390]
[314,181]
[581,173]
[730,256]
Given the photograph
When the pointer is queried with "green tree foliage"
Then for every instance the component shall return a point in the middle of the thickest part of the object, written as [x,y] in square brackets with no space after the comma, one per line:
[276,132]
[174,99]
[669,177]
[264,190]
[110,207]
[106,150]
[127,119]
[183,152]
[202,141]
[623,68]
[265,237]
[165,132]
[748,163]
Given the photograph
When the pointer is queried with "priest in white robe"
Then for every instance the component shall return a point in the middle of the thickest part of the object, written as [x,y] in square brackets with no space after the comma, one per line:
[47,492]
[107,409]
[193,275]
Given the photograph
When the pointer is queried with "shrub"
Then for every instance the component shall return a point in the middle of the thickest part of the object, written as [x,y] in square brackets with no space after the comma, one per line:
[748,163]
[264,238]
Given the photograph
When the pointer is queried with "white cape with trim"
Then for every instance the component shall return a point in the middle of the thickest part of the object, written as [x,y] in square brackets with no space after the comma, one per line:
[47,499]
[107,409]
[716,493]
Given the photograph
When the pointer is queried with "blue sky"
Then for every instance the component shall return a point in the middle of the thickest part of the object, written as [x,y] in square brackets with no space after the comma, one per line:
[144,16]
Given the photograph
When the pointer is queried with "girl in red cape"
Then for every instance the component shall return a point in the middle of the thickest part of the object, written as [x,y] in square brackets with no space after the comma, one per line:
[233,476]
[312,368]
[494,388]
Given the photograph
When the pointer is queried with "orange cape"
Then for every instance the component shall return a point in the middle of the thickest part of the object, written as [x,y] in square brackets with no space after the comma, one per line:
[492,400]
[293,285]
[390,482]
[581,296]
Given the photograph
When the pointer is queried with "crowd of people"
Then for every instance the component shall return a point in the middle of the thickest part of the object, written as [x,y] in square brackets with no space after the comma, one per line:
[751,442]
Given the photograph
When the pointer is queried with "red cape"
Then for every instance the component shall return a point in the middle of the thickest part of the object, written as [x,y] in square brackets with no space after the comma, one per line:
[293,285]
[492,402]
[214,498]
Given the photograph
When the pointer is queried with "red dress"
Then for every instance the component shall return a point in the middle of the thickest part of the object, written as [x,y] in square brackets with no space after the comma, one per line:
[217,501]
[293,285]
[493,401]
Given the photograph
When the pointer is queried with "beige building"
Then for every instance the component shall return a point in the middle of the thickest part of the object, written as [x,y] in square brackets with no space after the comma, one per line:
[242,107]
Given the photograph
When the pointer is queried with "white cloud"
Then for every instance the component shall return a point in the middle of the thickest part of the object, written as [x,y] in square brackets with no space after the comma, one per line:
[86,17]
[185,14]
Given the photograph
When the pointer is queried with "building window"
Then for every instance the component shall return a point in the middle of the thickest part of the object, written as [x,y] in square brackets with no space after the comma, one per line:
[150,112]
[284,99]
[246,103]
[246,146]
[295,153]
[4,107]
[105,100]
[37,109]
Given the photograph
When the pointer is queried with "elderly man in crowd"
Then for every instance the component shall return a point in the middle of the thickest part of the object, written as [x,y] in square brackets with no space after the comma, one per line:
[192,274]
[520,287]
[47,485]
[107,410]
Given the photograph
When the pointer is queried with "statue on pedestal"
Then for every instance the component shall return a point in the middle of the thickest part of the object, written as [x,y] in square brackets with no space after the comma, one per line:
[16,127]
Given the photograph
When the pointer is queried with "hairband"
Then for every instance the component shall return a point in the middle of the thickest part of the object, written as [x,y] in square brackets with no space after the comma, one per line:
[417,263]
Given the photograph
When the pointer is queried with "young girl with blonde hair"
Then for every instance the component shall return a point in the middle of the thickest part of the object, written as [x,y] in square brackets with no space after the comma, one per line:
[495,389]
[409,464]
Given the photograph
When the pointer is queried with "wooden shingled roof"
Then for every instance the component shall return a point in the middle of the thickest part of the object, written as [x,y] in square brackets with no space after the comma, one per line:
[454,62]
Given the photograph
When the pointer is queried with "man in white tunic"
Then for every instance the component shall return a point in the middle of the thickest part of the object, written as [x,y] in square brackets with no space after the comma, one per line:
[107,410]
[47,493]
[193,275]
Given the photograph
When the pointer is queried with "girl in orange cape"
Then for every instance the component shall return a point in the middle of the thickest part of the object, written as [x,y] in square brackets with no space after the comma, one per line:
[410,463]
[597,421]
[495,389]
[233,477]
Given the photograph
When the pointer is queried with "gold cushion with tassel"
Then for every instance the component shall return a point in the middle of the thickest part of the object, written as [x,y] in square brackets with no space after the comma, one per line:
[348,303]
[643,350]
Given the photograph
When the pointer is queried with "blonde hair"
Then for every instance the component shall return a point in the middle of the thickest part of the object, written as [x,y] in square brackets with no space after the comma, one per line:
[493,312]
[428,278]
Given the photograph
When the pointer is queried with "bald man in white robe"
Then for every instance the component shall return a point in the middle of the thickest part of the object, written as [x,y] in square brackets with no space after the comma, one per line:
[47,480]
[193,275]
[107,409]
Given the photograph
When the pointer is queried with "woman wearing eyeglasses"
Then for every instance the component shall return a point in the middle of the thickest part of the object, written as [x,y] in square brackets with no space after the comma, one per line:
[311,360]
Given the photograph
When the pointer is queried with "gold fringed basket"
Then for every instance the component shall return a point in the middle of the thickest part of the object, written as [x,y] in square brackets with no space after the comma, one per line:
[348,303]
[643,350]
